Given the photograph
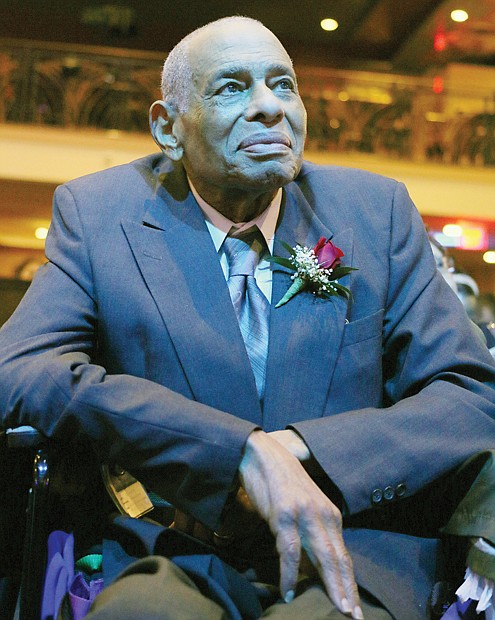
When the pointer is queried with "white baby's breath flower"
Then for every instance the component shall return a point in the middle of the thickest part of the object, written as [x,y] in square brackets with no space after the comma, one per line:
[310,274]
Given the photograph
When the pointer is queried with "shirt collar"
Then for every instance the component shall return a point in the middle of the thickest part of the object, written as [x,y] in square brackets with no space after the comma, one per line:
[219,225]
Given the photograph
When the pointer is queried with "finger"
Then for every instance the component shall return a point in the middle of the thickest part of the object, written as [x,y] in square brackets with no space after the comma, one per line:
[325,547]
[324,558]
[335,568]
[350,585]
[289,550]
[292,442]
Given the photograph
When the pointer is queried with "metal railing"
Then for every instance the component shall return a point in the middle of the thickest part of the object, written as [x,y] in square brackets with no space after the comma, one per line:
[390,115]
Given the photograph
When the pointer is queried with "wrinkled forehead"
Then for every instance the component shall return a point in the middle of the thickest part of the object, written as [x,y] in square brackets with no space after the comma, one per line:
[239,44]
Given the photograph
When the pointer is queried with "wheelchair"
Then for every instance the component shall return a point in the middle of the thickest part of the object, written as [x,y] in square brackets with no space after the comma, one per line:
[25,464]
[44,500]
[51,488]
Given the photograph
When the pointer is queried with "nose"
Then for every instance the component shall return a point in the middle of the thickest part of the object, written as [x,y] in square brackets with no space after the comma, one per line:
[264,105]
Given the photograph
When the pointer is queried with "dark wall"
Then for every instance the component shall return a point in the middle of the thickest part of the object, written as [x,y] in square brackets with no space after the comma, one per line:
[11,292]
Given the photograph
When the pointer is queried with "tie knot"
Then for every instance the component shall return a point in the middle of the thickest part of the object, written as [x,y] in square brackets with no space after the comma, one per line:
[243,252]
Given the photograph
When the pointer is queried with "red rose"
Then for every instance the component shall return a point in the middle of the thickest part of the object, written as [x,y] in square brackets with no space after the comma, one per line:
[327,253]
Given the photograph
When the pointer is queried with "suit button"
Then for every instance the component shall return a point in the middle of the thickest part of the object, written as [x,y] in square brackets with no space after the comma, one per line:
[376,496]
[388,493]
[400,489]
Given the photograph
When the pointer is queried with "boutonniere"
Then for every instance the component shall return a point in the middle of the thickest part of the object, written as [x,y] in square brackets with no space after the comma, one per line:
[315,269]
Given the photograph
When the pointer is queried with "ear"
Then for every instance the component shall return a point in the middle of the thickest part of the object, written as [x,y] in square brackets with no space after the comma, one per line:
[163,119]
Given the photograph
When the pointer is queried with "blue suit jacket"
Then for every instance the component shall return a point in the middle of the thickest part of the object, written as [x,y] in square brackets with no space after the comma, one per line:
[128,336]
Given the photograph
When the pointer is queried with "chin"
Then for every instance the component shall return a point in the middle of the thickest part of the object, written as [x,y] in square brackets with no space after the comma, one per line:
[273,174]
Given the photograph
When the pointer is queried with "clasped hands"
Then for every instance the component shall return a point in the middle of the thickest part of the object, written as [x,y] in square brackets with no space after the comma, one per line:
[301,517]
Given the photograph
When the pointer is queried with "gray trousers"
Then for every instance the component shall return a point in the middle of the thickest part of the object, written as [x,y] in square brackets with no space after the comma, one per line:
[156,589]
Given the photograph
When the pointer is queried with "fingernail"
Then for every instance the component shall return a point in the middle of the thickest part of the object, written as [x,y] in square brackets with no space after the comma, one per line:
[346,606]
[358,613]
[289,597]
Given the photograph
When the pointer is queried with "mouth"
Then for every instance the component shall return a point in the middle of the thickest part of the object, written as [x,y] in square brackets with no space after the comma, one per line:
[266,141]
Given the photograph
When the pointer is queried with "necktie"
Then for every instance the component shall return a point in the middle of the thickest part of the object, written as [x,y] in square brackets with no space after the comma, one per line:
[250,305]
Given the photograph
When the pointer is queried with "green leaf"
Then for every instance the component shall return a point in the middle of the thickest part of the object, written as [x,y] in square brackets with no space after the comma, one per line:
[342,291]
[340,272]
[289,249]
[285,262]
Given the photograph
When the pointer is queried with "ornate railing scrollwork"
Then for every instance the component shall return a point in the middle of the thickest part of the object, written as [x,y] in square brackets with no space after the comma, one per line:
[389,115]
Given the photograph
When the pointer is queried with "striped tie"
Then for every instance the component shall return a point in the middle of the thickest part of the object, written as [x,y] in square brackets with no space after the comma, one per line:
[250,305]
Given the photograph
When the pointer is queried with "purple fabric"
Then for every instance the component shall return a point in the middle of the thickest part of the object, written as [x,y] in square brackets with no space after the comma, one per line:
[81,595]
[60,579]
[462,611]
[59,572]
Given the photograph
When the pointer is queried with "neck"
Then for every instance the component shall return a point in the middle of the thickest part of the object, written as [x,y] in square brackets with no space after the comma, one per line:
[243,211]
[236,205]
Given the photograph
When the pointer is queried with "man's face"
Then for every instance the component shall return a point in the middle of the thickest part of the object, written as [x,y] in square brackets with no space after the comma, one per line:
[245,124]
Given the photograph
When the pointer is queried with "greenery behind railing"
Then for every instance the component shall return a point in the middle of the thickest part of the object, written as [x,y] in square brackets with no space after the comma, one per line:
[390,115]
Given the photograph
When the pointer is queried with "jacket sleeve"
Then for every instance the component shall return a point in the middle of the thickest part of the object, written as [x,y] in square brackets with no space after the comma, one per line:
[438,383]
[49,378]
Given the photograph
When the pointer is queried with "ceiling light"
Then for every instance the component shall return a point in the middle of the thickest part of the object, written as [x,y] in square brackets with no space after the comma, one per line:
[41,232]
[489,257]
[459,15]
[329,24]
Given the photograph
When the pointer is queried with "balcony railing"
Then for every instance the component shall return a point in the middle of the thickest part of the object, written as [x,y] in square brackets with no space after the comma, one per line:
[389,115]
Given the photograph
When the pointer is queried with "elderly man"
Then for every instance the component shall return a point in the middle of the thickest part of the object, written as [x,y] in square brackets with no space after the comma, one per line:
[266,425]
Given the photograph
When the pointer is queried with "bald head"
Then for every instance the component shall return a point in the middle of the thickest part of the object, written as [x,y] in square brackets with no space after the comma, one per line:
[178,72]
[232,115]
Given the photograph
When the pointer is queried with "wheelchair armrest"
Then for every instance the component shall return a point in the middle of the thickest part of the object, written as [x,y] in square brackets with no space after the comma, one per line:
[24,437]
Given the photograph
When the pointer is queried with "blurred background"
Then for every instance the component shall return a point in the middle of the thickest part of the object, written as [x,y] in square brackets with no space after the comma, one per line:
[405,88]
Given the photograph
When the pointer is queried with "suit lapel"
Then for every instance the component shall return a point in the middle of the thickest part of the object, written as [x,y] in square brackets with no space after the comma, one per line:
[178,261]
[305,333]
[180,265]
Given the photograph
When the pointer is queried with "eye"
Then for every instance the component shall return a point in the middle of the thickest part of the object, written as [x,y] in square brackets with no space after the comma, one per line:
[285,84]
[230,88]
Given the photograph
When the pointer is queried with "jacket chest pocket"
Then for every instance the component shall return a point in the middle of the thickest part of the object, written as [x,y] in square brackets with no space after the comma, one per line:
[358,381]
